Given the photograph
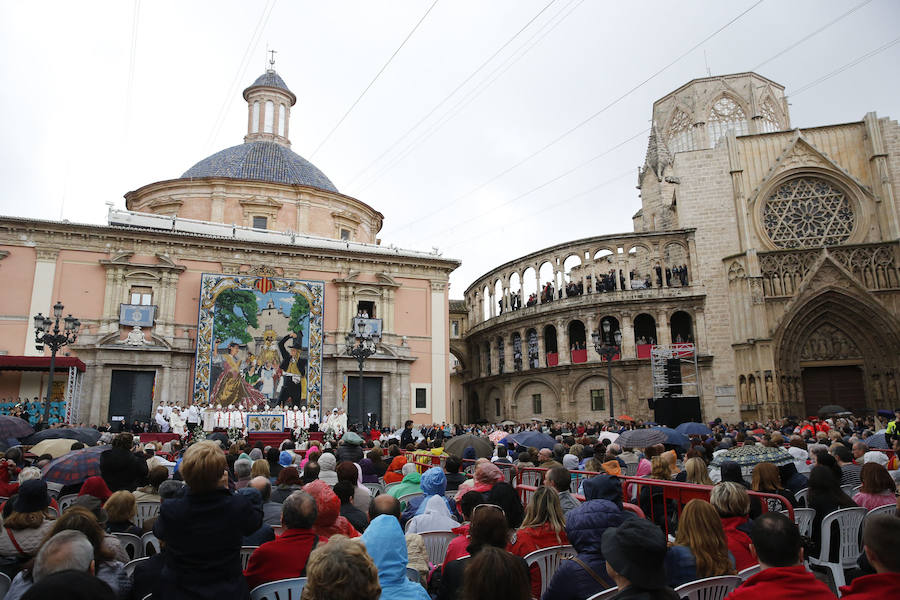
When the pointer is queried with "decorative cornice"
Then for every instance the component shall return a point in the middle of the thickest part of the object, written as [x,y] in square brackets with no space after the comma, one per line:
[47,254]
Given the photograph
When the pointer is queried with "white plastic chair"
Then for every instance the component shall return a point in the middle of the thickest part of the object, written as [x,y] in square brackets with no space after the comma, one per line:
[65,502]
[410,496]
[145,512]
[283,589]
[801,496]
[803,517]
[749,572]
[150,544]
[887,509]
[5,582]
[246,551]
[711,588]
[278,529]
[847,489]
[388,486]
[375,488]
[129,566]
[548,560]
[436,542]
[605,594]
[849,521]
[131,544]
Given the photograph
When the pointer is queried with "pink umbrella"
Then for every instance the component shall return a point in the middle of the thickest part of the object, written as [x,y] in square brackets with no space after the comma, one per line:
[498,435]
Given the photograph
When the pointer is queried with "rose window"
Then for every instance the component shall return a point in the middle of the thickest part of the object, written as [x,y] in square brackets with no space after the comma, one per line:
[808,212]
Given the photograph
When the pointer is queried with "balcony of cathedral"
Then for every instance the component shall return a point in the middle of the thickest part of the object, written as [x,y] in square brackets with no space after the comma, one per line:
[618,272]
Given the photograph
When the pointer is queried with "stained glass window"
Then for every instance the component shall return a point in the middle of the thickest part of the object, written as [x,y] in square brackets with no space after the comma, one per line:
[808,212]
[725,115]
[680,138]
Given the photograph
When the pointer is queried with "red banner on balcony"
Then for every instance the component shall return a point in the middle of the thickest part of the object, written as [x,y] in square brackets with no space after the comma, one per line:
[643,350]
[552,359]
[579,356]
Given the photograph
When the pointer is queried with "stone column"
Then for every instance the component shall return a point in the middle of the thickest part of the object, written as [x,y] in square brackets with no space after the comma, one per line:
[628,348]
[508,363]
[562,333]
[663,332]
[537,283]
[542,351]
[560,276]
[699,329]
[591,326]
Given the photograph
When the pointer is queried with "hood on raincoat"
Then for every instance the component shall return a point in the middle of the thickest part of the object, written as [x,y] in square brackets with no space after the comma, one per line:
[408,468]
[469,453]
[434,481]
[397,463]
[368,471]
[570,461]
[604,487]
[285,458]
[433,515]
[327,462]
[329,520]
[386,544]
[414,478]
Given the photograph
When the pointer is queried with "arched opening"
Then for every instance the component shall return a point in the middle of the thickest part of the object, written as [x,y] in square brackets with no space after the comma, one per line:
[577,342]
[529,287]
[499,300]
[609,327]
[550,348]
[644,334]
[533,349]
[574,275]
[269,118]
[516,301]
[675,258]
[605,269]
[724,116]
[639,268]
[517,351]
[501,356]
[487,358]
[254,121]
[682,328]
[548,288]
[486,303]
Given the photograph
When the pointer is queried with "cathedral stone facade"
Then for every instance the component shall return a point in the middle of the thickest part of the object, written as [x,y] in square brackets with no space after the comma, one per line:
[775,251]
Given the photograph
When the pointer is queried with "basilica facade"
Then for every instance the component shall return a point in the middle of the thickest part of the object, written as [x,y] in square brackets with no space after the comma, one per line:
[257,216]
[764,258]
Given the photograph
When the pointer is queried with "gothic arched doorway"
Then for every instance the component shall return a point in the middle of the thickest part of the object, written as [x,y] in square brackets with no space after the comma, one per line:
[839,347]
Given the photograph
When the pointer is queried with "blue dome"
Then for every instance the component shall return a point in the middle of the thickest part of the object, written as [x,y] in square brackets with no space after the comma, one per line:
[261,161]
[269,79]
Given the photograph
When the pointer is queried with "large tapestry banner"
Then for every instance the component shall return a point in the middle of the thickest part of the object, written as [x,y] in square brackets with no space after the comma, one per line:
[259,341]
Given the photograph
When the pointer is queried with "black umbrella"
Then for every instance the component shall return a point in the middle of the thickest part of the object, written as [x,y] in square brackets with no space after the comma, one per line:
[831,409]
[458,444]
[14,427]
[85,435]
[641,438]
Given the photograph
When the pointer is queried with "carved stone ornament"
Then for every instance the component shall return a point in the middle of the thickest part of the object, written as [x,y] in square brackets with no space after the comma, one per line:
[808,212]
[829,343]
[736,271]
[136,338]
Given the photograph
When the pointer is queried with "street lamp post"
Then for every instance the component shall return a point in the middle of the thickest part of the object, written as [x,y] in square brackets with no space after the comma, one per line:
[362,347]
[54,339]
[607,350]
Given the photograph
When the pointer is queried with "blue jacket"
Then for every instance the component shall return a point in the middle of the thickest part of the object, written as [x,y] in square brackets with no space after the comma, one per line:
[203,535]
[386,544]
[584,527]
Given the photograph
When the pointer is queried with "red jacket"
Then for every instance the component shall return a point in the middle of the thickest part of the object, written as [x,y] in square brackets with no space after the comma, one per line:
[872,587]
[783,583]
[457,547]
[8,484]
[283,558]
[738,542]
[536,538]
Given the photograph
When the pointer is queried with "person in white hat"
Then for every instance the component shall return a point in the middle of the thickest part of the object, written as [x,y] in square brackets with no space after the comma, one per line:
[161,421]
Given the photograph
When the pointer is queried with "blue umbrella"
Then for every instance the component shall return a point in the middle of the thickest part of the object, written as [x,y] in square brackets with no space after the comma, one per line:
[877,441]
[674,438]
[693,429]
[534,439]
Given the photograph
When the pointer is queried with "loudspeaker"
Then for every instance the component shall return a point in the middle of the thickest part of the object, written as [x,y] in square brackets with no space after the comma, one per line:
[673,376]
[672,412]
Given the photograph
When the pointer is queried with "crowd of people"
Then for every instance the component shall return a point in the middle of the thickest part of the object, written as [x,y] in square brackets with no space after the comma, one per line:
[317,510]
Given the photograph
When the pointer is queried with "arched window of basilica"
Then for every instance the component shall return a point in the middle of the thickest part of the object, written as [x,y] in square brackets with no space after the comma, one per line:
[486,303]
[533,349]
[725,115]
[644,330]
[808,212]
[769,121]
[682,328]
[577,342]
[679,136]
[281,120]
[550,341]
[269,119]
[254,123]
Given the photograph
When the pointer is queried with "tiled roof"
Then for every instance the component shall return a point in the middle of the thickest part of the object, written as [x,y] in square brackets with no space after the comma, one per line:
[270,79]
[261,161]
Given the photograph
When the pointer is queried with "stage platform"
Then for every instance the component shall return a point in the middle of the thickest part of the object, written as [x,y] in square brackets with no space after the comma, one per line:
[269,438]
[162,438]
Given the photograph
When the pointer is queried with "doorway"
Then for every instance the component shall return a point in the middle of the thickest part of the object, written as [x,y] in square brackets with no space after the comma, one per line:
[131,396]
[359,409]
[834,385]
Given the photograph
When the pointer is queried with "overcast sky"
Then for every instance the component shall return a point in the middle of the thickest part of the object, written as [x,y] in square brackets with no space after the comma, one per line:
[99,98]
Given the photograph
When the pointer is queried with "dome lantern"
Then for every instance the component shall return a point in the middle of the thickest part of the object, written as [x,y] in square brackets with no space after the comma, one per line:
[269,102]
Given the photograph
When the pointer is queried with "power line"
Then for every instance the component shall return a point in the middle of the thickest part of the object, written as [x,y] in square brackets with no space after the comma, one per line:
[544,184]
[816,32]
[587,120]
[374,79]
[456,89]
[476,91]
[252,43]
[550,206]
[850,64]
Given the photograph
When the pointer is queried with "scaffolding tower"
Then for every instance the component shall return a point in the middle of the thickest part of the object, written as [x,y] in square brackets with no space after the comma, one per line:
[685,357]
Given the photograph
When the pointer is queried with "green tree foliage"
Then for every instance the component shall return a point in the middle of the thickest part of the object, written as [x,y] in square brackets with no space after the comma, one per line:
[299,310]
[227,322]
